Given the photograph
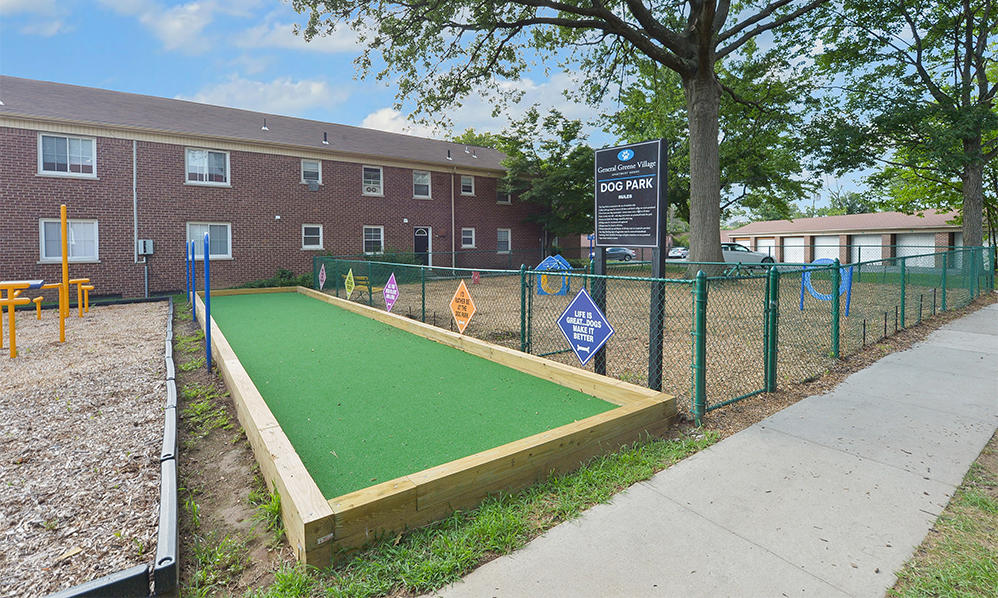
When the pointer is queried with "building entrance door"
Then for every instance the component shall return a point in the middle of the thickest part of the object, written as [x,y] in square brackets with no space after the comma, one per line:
[421,244]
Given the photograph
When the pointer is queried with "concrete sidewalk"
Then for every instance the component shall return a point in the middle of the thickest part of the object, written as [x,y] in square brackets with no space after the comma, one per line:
[828,497]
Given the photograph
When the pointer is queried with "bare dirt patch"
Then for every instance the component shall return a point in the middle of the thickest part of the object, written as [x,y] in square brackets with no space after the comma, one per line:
[225,549]
[81,429]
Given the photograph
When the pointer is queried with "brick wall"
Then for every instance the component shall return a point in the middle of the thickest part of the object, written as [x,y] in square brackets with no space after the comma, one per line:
[262,187]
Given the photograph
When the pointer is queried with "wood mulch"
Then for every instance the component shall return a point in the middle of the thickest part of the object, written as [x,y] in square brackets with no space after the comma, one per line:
[81,430]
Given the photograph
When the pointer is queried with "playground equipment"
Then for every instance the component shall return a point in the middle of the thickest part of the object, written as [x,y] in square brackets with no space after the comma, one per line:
[14,289]
[843,280]
[192,283]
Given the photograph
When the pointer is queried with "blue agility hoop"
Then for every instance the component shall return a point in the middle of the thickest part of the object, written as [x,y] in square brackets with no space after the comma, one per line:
[845,283]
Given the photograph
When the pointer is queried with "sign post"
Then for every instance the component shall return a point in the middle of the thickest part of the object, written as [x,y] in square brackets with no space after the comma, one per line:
[631,211]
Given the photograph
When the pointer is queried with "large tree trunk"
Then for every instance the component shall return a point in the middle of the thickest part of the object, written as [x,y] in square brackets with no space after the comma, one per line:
[703,97]
[973,194]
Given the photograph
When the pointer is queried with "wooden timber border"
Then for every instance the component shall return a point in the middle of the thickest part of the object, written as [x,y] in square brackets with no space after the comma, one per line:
[316,527]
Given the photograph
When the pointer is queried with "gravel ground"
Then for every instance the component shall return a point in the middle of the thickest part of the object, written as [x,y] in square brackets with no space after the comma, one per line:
[81,428]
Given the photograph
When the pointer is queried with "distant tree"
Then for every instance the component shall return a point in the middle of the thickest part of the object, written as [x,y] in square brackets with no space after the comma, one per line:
[549,164]
[918,99]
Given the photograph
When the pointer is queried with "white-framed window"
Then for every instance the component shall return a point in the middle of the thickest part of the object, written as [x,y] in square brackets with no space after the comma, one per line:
[467,237]
[467,184]
[67,155]
[504,197]
[219,239]
[372,182]
[421,184]
[504,241]
[311,236]
[374,239]
[311,171]
[81,242]
[207,167]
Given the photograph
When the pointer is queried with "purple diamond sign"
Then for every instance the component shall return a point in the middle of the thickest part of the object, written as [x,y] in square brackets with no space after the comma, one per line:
[322,276]
[391,292]
[585,327]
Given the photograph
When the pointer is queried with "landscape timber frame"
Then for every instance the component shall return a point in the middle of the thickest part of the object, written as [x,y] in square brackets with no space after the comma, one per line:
[317,528]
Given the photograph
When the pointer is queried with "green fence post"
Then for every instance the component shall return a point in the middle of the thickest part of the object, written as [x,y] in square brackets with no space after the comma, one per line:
[904,281]
[422,284]
[523,308]
[942,301]
[699,365]
[336,278]
[772,327]
[992,266]
[370,284]
[836,283]
[767,299]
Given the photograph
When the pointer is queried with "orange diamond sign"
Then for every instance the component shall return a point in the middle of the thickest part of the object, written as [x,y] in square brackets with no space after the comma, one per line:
[462,307]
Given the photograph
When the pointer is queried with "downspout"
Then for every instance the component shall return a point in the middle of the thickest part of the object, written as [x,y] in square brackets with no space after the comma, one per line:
[453,247]
[135,203]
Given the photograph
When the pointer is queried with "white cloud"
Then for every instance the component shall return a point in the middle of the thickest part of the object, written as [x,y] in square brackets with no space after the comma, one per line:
[180,27]
[275,34]
[46,28]
[388,119]
[38,7]
[280,96]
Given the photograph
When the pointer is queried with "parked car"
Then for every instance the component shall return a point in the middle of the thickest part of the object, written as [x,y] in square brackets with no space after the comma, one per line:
[620,253]
[735,253]
[678,253]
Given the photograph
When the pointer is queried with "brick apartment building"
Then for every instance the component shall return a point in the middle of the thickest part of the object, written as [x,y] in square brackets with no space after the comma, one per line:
[270,190]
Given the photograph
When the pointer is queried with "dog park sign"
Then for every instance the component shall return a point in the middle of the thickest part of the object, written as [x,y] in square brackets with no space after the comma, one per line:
[628,187]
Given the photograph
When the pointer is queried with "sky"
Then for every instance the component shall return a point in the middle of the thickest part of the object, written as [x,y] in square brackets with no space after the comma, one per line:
[240,53]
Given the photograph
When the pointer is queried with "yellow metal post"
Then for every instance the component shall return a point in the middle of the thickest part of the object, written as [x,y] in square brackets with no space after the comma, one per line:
[13,332]
[64,291]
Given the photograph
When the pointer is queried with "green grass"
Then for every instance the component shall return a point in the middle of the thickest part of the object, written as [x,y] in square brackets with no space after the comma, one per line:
[960,557]
[433,556]
[193,364]
[217,562]
[358,405]
[203,411]
[189,343]
[268,510]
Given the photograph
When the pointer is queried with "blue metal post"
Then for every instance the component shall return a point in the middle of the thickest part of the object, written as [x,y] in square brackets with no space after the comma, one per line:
[187,268]
[207,304]
[194,278]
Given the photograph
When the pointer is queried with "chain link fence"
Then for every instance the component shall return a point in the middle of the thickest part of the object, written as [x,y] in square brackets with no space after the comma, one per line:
[725,337]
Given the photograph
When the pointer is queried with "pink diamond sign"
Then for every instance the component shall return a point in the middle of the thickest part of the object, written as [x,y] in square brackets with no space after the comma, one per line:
[322,276]
[391,292]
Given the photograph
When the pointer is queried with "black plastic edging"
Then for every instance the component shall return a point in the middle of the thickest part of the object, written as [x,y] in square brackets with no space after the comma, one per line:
[169,434]
[166,572]
[166,568]
[127,583]
[134,581]
[171,393]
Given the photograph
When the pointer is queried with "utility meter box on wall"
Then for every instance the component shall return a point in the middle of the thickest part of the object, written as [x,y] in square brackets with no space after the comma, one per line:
[145,246]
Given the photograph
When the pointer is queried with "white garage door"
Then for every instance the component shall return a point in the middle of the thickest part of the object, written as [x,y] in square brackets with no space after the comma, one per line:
[766,246]
[957,257]
[917,244]
[826,246]
[793,250]
[865,248]
[746,241]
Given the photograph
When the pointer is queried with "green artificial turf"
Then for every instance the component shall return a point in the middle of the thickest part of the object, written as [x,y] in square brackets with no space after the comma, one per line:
[363,402]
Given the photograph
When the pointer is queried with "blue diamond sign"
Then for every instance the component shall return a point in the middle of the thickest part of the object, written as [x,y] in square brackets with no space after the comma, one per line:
[584,326]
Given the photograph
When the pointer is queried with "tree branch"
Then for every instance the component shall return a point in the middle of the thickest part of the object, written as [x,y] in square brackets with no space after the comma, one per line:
[766,27]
